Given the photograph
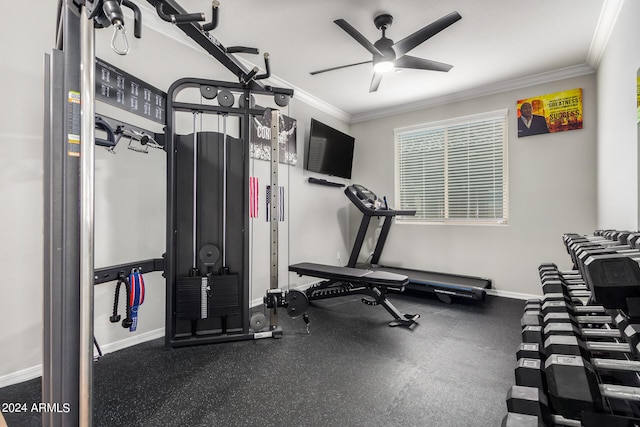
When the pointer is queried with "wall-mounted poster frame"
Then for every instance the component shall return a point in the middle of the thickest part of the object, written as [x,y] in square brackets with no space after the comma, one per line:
[260,142]
[554,112]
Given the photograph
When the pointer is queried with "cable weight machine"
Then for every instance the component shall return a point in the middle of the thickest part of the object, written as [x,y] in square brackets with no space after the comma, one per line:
[207,249]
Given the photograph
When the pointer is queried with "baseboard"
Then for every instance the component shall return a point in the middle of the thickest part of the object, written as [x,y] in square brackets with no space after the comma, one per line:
[131,341]
[21,376]
[36,371]
[513,295]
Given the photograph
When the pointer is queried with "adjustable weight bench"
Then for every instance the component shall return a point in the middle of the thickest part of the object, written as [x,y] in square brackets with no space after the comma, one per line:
[343,281]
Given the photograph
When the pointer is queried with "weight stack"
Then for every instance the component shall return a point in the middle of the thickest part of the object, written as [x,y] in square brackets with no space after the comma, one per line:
[189,297]
[224,299]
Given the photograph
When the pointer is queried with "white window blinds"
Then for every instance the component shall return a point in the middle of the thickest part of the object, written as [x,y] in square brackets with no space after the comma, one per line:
[455,170]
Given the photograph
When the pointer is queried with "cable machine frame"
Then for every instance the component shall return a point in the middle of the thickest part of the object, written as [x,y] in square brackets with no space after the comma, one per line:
[68,163]
[244,112]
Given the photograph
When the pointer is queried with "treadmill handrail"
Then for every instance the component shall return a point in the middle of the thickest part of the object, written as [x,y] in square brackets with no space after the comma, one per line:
[368,206]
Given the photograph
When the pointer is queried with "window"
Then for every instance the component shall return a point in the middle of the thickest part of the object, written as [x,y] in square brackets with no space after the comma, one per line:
[454,171]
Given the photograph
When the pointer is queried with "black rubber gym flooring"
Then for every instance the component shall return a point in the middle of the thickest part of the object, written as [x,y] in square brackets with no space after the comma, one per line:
[453,369]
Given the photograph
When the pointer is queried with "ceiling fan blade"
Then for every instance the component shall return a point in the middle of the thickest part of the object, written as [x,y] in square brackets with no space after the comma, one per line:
[408,61]
[375,82]
[357,36]
[313,73]
[420,36]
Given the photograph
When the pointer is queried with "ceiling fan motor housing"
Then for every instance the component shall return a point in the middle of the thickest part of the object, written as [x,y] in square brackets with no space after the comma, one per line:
[383,21]
[385,46]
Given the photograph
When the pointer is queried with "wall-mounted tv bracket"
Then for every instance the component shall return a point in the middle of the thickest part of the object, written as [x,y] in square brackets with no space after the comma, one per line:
[109,12]
[189,23]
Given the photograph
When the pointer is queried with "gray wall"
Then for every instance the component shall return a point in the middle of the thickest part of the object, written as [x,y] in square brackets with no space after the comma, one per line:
[618,133]
[552,182]
[21,116]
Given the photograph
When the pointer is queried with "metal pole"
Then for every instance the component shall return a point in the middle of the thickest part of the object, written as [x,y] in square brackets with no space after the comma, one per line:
[224,191]
[194,226]
[87,187]
[274,208]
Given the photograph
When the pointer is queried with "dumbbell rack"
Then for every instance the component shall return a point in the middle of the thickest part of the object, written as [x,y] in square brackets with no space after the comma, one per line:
[579,361]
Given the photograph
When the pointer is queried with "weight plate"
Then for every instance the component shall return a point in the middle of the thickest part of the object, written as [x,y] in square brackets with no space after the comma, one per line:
[208,92]
[225,98]
[297,303]
[257,322]
[209,255]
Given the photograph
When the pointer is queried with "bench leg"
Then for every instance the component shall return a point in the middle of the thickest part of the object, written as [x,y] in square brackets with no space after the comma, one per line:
[407,320]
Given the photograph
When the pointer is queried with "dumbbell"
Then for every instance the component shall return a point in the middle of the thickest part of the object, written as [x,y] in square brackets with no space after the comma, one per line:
[575,243]
[571,285]
[572,385]
[565,339]
[530,356]
[537,345]
[563,310]
[568,298]
[530,401]
[553,285]
[630,332]
[588,419]
[536,318]
[537,333]
[572,277]
[529,407]
[562,305]
[529,368]
[614,280]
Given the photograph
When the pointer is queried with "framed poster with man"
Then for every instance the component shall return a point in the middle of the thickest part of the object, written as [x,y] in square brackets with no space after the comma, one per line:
[554,112]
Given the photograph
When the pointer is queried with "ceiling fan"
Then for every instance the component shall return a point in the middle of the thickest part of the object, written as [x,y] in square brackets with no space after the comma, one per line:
[388,55]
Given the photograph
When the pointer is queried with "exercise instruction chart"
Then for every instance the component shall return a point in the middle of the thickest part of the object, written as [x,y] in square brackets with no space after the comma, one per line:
[120,89]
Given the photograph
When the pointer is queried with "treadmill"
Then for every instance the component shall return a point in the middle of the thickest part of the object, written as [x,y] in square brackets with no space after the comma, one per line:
[444,285]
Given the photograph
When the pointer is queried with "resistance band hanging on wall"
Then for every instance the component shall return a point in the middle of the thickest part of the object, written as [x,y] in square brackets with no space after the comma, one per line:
[135,291]
[280,202]
[136,296]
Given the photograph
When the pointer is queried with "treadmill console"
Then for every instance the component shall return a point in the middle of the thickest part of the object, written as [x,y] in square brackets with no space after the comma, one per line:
[369,203]
[362,196]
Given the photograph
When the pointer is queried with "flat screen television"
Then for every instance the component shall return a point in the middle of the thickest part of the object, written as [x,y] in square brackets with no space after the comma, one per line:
[329,151]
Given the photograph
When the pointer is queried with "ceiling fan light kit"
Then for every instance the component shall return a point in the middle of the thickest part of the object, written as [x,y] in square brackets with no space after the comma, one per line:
[387,55]
[383,67]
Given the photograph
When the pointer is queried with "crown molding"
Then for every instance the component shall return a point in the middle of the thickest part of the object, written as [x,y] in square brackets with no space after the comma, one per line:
[606,22]
[491,89]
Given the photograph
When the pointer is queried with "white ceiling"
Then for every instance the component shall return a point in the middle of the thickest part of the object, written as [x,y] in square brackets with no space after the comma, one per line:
[495,42]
